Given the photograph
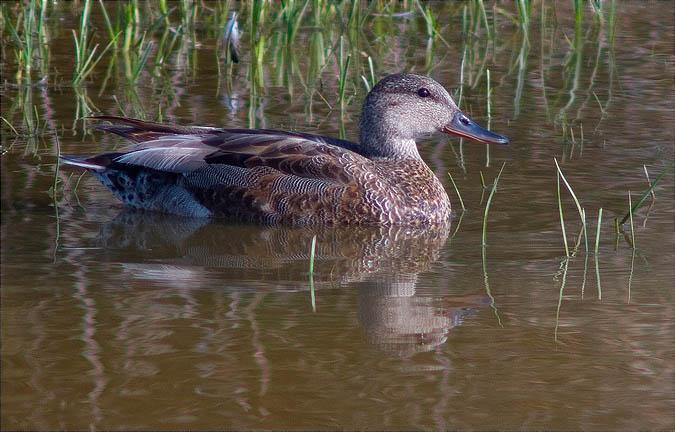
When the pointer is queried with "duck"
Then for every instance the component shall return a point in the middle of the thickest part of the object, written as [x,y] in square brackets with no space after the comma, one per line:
[281,177]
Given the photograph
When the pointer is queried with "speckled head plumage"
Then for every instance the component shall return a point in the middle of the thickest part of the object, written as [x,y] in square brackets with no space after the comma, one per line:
[404,107]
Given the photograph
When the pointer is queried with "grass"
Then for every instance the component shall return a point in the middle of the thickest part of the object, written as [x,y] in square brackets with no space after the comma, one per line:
[649,182]
[597,247]
[459,195]
[148,35]
[487,204]
[292,14]
[563,282]
[14,131]
[370,81]
[342,77]
[630,274]
[489,98]
[484,243]
[582,213]
[645,194]
[85,55]
[562,218]
[523,7]
[135,62]
[597,234]
[432,26]
[138,22]
[460,87]
[631,208]
[27,24]
[632,228]
[311,272]
[489,118]
[53,189]
[580,210]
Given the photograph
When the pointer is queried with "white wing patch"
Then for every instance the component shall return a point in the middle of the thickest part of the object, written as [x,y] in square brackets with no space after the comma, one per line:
[171,159]
[193,141]
[82,164]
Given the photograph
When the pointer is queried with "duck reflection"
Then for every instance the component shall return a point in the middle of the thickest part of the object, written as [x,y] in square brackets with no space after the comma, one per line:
[399,322]
[382,262]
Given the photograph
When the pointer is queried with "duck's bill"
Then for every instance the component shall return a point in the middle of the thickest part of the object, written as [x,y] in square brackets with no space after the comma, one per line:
[463,126]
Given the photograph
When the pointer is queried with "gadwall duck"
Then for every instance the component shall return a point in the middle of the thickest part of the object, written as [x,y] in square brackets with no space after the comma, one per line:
[271,176]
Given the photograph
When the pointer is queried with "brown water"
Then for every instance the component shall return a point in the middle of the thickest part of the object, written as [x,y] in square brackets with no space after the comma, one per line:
[113,319]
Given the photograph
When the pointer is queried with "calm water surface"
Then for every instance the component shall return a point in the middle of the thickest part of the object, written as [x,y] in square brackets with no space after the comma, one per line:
[115,319]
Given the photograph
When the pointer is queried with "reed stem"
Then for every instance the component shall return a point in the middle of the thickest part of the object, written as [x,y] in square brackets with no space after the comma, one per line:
[562,218]
[597,235]
[632,228]
[489,200]
[461,202]
[311,273]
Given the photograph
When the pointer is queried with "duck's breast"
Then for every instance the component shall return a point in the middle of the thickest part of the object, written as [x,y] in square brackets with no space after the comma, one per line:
[396,192]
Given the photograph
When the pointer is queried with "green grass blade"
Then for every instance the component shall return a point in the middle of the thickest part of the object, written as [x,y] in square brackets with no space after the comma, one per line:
[459,195]
[646,194]
[489,200]
[311,272]
[106,18]
[580,210]
[12,29]
[90,64]
[597,245]
[141,62]
[597,235]
[632,228]
[562,218]
[10,126]
[560,297]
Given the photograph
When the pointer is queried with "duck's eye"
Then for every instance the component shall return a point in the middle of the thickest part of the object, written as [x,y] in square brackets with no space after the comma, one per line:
[464,120]
[423,92]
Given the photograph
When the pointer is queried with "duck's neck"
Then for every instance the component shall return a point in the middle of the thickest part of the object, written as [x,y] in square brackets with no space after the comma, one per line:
[383,143]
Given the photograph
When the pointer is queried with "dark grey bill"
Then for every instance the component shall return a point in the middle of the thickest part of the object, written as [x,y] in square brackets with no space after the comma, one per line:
[463,126]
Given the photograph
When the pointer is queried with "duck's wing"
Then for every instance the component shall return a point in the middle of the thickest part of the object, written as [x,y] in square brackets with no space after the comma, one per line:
[141,130]
[180,149]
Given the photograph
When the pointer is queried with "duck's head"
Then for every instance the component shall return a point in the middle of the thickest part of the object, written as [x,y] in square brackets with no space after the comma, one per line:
[404,107]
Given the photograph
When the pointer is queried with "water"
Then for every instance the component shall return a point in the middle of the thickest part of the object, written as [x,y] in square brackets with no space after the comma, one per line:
[114,319]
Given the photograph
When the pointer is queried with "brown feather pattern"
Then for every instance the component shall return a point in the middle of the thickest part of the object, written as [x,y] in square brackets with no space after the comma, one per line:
[275,177]
[270,176]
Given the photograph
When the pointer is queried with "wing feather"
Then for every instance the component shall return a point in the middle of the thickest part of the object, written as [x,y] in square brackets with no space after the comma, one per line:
[141,131]
[169,159]
[180,149]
